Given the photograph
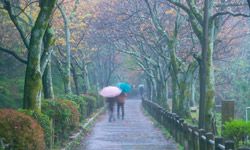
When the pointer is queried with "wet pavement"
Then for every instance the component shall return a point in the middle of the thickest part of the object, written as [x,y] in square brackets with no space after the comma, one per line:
[135,132]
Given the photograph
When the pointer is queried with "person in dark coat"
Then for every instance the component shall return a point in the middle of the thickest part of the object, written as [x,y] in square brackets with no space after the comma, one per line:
[141,90]
[120,104]
[111,103]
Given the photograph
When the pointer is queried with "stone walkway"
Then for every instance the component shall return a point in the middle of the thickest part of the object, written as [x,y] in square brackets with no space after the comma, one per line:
[135,132]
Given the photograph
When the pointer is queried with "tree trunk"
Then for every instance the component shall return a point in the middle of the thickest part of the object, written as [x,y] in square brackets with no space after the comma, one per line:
[68,48]
[207,87]
[47,82]
[85,77]
[48,42]
[210,92]
[33,78]
[148,88]
[75,78]
[175,100]
[193,102]
[174,76]
[186,82]
[183,110]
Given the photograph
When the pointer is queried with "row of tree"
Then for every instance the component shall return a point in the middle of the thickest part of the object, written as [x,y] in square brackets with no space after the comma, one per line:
[175,43]
[46,34]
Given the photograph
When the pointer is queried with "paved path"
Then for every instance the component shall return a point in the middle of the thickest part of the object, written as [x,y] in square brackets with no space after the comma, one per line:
[135,132]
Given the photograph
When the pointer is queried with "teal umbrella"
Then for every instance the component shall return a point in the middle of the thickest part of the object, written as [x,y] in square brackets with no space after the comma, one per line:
[125,87]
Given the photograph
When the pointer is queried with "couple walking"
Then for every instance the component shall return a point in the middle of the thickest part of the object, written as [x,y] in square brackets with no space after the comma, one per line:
[120,101]
[116,95]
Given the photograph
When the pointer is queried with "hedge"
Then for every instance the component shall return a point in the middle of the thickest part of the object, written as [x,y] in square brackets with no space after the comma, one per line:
[44,121]
[80,101]
[28,130]
[87,103]
[65,116]
[20,131]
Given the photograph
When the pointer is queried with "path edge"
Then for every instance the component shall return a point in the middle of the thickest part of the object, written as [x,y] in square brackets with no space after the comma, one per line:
[156,124]
[84,128]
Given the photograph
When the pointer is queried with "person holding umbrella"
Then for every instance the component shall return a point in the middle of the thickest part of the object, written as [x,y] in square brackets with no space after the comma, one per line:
[110,93]
[125,88]
[141,89]
[120,104]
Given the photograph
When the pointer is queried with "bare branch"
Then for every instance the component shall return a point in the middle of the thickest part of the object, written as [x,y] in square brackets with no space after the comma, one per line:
[178,4]
[231,4]
[13,54]
[14,19]
[195,11]
[228,13]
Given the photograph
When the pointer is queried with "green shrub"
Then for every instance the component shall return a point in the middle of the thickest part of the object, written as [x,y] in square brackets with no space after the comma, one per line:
[65,117]
[87,103]
[44,122]
[91,103]
[99,99]
[20,131]
[80,101]
[236,130]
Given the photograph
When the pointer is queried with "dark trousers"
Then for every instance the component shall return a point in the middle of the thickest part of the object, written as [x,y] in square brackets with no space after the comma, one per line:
[111,104]
[120,105]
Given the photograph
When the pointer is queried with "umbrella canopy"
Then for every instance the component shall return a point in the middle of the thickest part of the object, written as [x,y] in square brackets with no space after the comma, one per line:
[125,87]
[140,85]
[110,91]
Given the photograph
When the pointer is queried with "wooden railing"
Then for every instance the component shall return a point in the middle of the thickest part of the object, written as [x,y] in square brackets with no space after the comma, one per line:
[188,136]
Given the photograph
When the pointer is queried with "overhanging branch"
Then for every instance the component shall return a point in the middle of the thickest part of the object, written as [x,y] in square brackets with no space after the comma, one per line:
[228,13]
[13,54]
[7,6]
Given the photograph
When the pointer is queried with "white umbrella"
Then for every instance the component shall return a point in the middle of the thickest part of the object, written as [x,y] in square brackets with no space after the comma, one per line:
[110,91]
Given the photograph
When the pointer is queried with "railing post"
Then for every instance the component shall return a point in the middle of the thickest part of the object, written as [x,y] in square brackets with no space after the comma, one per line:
[195,138]
[186,136]
[155,112]
[176,126]
[189,145]
[202,143]
[172,117]
[165,120]
[168,116]
[157,115]
[162,112]
[181,131]
[151,108]
[229,145]
[218,140]
[210,136]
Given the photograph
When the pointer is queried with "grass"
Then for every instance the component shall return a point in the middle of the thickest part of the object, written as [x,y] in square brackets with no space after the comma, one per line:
[195,117]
